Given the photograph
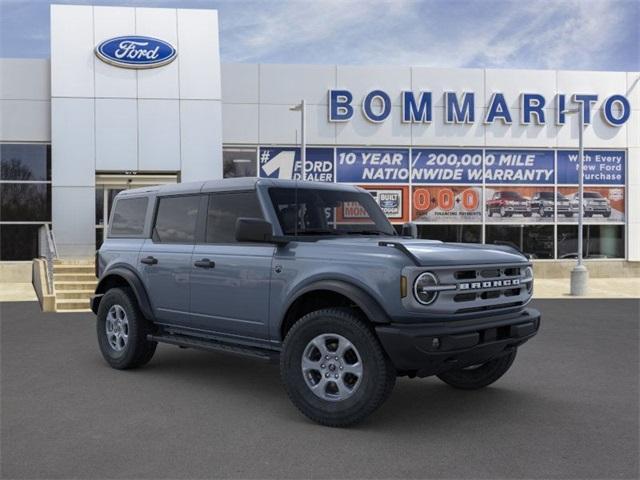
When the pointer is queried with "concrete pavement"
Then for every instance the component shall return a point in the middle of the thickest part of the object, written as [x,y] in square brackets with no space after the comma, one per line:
[568,408]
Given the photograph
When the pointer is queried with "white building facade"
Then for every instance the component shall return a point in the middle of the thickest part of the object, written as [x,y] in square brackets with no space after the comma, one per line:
[471,155]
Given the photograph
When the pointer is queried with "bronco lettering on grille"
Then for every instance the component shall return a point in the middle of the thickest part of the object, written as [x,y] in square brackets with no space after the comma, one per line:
[489,284]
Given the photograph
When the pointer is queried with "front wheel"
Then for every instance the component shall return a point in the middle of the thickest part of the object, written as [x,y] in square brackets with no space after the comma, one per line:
[122,330]
[479,376]
[334,369]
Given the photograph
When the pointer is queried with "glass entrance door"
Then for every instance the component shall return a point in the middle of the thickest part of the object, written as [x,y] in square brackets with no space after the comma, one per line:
[109,185]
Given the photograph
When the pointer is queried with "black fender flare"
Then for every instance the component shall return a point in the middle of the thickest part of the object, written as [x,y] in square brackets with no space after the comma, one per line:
[134,282]
[363,300]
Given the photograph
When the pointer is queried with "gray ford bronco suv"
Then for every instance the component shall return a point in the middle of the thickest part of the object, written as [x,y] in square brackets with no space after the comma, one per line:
[315,275]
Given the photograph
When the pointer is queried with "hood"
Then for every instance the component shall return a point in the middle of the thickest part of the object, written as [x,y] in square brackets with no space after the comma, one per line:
[435,253]
[442,254]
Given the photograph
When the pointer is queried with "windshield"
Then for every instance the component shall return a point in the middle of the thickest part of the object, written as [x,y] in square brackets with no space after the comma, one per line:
[512,196]
[546,195]
[314,211]
[592,195]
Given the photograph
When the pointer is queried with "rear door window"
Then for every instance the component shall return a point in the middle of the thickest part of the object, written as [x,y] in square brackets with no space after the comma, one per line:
[128,217]
[224,210]
[176,219]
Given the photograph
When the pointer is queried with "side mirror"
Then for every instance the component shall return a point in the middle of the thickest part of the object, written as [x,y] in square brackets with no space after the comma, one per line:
[410,229]
[254,230]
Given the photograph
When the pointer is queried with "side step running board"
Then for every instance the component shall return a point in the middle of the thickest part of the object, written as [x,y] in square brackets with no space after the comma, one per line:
[214,345]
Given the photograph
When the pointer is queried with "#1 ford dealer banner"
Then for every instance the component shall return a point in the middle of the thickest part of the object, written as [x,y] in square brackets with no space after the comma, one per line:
[285,163]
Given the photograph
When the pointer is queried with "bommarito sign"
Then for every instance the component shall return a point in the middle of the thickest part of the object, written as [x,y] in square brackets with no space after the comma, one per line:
[460,108]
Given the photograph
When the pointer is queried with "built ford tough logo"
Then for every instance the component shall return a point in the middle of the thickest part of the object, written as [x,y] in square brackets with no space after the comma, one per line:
[136,52]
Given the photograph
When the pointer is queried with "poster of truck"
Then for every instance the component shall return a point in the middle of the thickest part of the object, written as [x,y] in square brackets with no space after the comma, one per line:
[601,204]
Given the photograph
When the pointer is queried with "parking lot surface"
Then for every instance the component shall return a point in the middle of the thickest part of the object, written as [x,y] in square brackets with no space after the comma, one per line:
[568,408]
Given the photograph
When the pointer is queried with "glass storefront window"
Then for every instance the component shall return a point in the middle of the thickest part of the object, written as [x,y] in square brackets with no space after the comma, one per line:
[239,162]
[25,202]
[451,233]
[99,237]
[18,242]
[535,240]
[599,241]
[99,206]
[25,162]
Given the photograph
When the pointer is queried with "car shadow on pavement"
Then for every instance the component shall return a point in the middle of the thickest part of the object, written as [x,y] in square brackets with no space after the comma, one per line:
[415,404]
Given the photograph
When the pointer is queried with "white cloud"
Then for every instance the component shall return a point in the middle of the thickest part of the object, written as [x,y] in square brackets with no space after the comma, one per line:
[528,34]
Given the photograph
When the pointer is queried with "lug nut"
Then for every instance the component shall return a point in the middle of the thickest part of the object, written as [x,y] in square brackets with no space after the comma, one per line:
[327,357]
[336,358]
[326,375]
[341,367]
[336,376]
[322,366]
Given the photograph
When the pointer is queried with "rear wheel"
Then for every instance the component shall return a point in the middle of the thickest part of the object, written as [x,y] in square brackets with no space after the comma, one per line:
[334,369]
[481,375]
[122,330]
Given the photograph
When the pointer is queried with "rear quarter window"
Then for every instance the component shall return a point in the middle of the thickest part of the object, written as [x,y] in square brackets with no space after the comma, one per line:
[176,219]
[128,217]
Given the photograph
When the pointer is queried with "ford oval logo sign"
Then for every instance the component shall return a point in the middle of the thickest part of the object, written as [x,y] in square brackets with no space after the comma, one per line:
[134,51]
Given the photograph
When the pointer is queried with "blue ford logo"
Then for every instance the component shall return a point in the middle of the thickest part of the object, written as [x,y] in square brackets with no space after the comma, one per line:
[134,51]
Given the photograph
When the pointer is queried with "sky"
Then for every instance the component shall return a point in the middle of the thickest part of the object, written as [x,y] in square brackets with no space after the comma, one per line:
[533,34]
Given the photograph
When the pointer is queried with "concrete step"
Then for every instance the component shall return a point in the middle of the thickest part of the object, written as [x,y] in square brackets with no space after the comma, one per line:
[74,261]
[71,304]
[75,285]
[66,268]
[72,310]
[74,277]
[75,294]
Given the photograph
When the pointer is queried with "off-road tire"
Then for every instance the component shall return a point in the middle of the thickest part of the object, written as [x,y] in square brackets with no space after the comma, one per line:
[481,376]
[138,350]
[378,378]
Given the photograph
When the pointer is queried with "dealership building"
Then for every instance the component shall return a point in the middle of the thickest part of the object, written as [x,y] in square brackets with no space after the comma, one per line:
[470,155]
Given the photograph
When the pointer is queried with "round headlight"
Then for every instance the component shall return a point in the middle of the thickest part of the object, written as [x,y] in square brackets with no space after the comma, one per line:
[528,274]
[424,288]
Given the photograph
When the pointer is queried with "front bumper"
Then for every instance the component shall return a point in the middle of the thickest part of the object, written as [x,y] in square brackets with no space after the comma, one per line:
[602,210]
[517,209]
[429,349]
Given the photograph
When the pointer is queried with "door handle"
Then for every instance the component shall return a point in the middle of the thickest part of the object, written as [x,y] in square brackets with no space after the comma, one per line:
[149,260]
[205,263]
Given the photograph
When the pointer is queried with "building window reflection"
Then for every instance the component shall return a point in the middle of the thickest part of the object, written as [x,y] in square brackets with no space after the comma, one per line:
[25,198]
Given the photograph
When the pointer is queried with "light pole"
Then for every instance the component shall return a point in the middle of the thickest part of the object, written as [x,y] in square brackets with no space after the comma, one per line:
[303,140]
[580,274]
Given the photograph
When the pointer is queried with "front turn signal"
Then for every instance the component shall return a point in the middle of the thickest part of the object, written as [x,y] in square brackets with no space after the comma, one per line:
[403,286]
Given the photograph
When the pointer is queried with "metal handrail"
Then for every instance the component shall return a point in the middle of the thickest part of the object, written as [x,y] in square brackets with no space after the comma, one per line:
[50,252]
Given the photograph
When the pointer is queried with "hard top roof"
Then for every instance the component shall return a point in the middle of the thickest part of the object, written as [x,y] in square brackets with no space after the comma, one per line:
[231,184]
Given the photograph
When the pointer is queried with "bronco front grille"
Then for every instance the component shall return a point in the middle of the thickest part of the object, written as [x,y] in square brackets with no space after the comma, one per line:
[482,288]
